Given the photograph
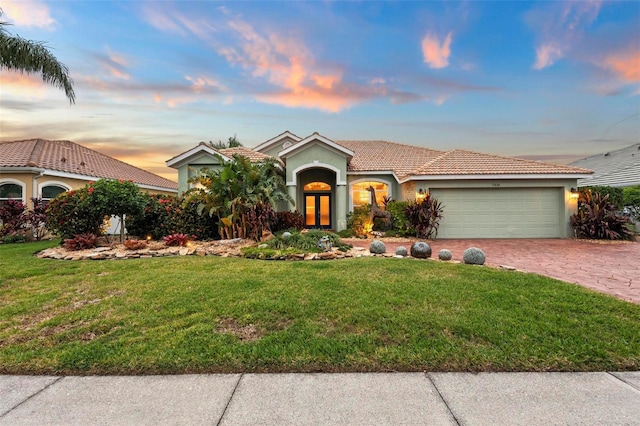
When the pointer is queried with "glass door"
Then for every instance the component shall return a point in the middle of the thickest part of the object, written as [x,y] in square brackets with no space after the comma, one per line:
[317,209]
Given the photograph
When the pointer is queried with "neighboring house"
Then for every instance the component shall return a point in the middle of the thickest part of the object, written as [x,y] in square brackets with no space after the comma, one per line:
[614,168]
[43,169]
[484,196]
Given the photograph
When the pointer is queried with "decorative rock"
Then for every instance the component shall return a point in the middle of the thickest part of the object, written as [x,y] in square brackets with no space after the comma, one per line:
[183,251]
[401,251]
[263,246]
[377,247]
[473,256]
[444,254]
[421,250]
[286,235]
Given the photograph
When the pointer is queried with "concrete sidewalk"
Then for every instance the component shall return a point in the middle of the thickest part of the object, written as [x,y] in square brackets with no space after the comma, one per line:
[325,399]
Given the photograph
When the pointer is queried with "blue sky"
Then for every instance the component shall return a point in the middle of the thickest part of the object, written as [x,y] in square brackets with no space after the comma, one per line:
[547,80]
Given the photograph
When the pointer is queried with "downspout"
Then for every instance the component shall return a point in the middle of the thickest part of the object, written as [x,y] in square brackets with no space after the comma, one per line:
[34,188]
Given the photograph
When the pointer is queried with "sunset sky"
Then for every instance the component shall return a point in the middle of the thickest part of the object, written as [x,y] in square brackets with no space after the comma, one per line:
[547,80]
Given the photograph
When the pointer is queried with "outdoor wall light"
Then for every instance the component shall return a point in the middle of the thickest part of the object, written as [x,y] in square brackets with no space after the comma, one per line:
[574,193]
[420,194]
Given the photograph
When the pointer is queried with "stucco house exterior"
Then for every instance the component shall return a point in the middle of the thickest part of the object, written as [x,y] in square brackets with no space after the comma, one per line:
[484,195]
[42,168]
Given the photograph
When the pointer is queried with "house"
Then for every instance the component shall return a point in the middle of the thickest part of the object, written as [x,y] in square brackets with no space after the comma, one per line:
[484,195]
[42,168]
[614,168]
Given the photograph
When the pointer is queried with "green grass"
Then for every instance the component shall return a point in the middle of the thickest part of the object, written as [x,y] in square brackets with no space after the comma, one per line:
[208,314]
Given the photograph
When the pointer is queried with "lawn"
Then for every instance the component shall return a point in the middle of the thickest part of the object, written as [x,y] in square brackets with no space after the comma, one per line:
[208,314]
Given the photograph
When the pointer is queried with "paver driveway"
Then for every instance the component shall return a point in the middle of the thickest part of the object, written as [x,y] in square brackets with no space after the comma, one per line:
[609,267]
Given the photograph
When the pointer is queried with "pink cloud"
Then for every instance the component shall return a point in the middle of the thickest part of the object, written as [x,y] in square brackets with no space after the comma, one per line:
[286,63]
[625,65]
[26,13]
[560,27]
[28,84]
[436,54]
[547,55]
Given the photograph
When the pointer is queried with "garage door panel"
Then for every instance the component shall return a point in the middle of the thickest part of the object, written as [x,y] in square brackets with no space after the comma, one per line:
[500,213]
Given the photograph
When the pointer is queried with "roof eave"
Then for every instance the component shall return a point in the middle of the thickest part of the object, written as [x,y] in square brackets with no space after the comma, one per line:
[510,176]
[182,159]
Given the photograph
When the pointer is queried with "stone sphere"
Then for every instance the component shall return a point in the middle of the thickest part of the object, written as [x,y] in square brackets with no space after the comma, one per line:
[473,256]
[401,251]
[444,254]
[377,247]
[286,235]
[421,250]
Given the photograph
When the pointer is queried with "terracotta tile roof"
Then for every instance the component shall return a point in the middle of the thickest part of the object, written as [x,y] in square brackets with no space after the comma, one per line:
[462,162]
[253,156]
[69,157]
[387,156]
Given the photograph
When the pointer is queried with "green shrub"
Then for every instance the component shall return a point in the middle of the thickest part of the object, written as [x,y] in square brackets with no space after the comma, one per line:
[165,215]
[615,194]
[346,233]
[306,242]
[14,237]
[401,225]
[358,219]
[71,213]
[631,201]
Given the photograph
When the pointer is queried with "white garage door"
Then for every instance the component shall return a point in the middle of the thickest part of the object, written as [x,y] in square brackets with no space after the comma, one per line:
[501,213]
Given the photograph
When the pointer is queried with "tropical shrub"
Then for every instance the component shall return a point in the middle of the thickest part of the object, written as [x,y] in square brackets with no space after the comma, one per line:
[240,195]
[13,217]
[287,220]
[113,197]
[177,240]
[306,242]
[80,242]
[156,219]
[358,220]
[401,225]
[36,218]
[71,213]
[597,218]
[424,216]
[616,196]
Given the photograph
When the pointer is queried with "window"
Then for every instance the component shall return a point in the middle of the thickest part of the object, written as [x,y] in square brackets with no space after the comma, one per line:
[50,192]
[317,186]
[10,191]
[360,194]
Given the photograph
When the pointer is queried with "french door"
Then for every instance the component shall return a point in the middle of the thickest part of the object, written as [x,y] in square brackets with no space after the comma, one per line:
[317,208]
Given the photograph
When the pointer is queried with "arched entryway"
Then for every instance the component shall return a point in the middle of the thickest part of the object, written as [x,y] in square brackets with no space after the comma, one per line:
[317,197]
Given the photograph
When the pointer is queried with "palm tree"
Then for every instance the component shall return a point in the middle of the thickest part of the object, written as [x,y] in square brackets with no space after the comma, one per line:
[233,142]
[241,195]
[26,56]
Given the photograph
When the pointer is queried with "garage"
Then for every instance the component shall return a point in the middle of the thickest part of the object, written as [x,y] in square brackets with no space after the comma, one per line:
[501,212]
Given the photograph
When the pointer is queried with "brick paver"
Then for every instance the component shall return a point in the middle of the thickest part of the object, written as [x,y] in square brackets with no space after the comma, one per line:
[609,267]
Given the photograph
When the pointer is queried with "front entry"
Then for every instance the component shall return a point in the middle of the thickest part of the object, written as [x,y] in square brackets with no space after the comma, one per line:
[317,208]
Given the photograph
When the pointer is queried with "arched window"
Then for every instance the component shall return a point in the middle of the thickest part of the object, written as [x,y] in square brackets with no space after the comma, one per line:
[317,186]
[360,194]
[49,192]
[11,191]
